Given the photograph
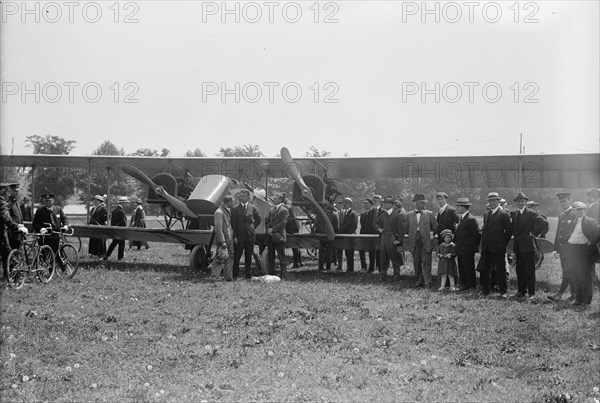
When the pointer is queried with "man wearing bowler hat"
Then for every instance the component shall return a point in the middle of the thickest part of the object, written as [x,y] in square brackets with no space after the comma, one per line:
[421,227]
[495,234]
[467,239]
[563,231]
[527,224]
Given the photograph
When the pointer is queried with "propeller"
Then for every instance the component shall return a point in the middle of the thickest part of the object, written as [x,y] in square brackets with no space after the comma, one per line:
[293,173]
[159,190]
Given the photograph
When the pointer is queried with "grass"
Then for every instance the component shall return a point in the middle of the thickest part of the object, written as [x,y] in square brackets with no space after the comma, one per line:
[148,329]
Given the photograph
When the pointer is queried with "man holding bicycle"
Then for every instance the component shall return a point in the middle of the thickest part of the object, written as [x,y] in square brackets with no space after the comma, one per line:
[50,218]
[7,224]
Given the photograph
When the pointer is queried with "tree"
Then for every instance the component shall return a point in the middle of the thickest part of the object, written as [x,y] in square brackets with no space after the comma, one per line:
[247,150]
[120,184]
[196,153]
[108,148]
[60,181]
[50,144]
[147,152]
[314,152]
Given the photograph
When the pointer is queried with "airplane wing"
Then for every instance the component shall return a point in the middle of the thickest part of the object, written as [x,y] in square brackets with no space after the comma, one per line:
[196,237]
[506,171]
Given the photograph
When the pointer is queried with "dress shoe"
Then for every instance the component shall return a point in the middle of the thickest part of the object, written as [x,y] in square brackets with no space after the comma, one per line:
[531,297]
[571,298]
[519,295]
[419,285]
[555,298]
[503,296]
[576,303]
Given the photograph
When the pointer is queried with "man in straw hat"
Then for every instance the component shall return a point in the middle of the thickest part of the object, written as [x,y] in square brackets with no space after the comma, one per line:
[527,224]
[563,232]
[467,239]
[421,227]
[495,234]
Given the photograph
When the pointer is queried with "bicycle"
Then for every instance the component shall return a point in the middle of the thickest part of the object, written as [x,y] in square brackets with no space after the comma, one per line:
[67,258]
[30,258]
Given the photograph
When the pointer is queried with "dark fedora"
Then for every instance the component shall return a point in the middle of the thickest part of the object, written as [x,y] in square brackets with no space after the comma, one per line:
[520,196]
[563,196]
[418,197]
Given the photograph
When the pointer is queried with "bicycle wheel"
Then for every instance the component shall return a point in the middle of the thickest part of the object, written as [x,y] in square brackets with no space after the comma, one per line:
[75,241]
[67,261]
[16,270]
[45,264]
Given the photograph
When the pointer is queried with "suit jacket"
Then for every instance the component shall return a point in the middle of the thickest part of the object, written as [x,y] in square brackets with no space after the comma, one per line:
[447,220]
[222,228]
[467,235]
[525,227]
[277,220]
[244,222]
[15,212]
[392,224]
[99,215]
[6,221]
[563,230]
[591,229]
[367,221]
[55,217]
[594,211]
[26,212]
[426,224]
[118,217]
[348,222]
[496,231]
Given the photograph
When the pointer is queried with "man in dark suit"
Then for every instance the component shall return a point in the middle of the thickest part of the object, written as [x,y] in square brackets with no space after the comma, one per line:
[446,216]
[392,227]
[585,233]
[327,251]
[367,219]
[118,219]
[15,214]
[6,224]
[244,220]
[495,234]
[51,217]
[467,239]
[277,238]
[377,208]
[527,224]
[593,211]
[26,210]
[563,232]
[348,225]
[421,224]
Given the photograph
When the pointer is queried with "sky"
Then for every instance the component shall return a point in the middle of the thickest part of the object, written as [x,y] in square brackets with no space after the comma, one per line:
[356,78]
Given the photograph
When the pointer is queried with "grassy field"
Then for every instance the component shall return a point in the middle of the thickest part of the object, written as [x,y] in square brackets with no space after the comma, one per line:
[148,329]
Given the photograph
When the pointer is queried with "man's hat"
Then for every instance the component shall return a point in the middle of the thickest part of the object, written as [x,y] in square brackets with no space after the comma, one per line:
[388,199]
[441,194]
[446,232]
[520,196]
[377,197]
[48,195]
[138,201]
[25,198]
[563,196]
[531,203]
[494,196]
[463,201]
[123,199]
[347,199]
[4,184]
[367,200]
[99,198]
[502,201]
[398,200]
[578,205]
[418,197]
[593,192]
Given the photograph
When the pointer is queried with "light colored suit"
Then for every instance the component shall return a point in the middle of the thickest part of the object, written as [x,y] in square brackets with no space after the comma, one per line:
[223,234]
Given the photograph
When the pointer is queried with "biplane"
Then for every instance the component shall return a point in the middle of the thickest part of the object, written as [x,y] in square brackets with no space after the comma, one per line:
[190,189]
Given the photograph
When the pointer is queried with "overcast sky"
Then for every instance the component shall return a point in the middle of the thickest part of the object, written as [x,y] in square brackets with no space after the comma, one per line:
[351,77]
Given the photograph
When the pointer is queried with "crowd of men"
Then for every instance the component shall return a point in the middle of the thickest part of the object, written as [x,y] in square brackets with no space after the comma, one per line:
[416,231]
